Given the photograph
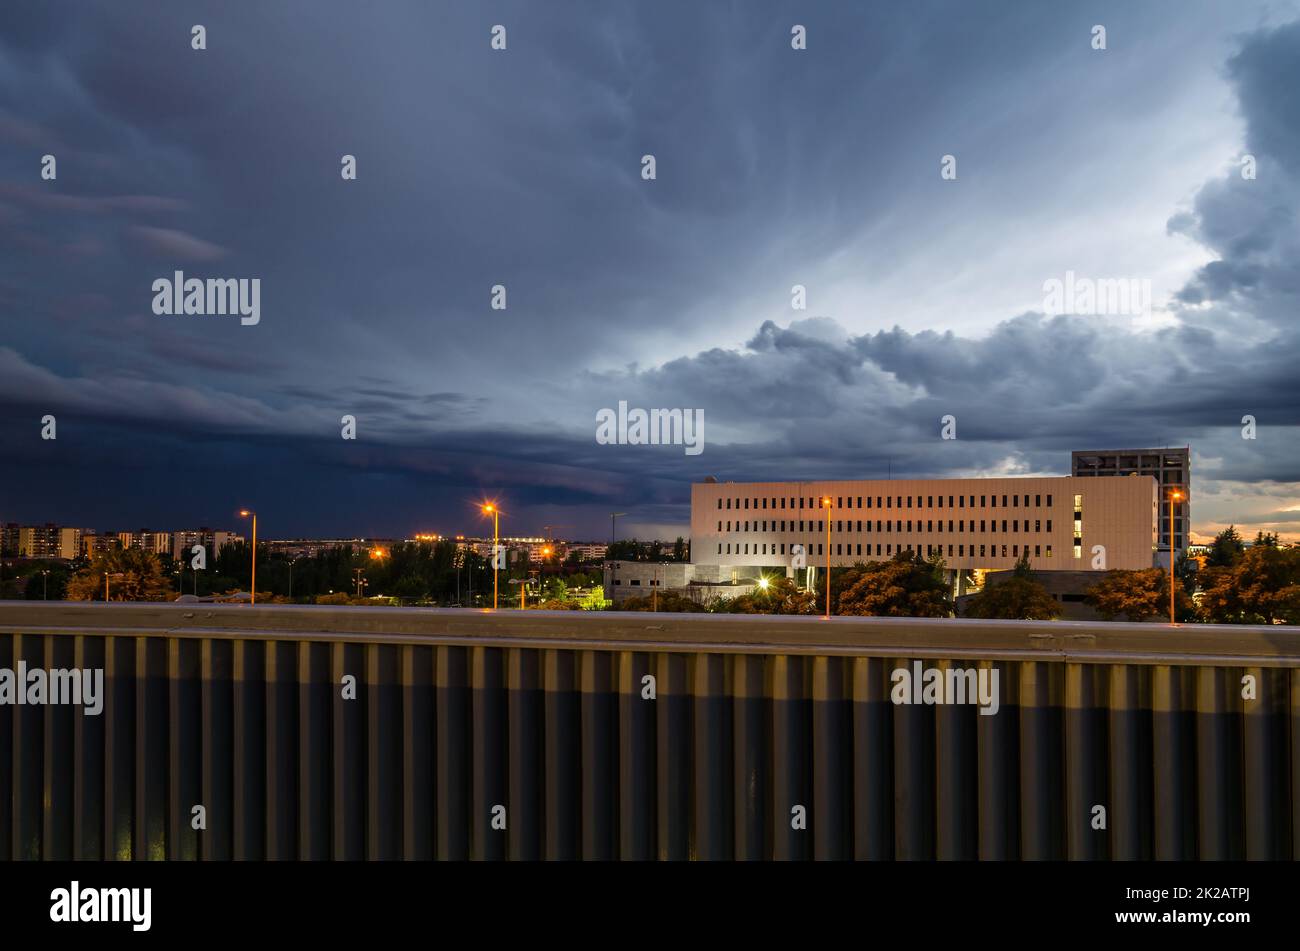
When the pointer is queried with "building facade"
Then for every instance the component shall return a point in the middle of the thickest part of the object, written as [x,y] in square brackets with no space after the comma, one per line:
[48,541]
[183,542]
[1172,471]
[702,583]
[1059,523]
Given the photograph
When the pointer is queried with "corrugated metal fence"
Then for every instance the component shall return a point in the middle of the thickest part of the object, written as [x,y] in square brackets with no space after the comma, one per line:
[531,735]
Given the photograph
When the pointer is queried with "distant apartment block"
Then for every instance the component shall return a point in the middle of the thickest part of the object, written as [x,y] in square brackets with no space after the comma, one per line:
[213,541]
[1059,523]
[48,541]
[586,551]
[159,543]
[1172,471]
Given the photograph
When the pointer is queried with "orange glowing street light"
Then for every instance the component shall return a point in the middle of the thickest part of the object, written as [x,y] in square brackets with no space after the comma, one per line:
[246,513]
[826,504]
[490,508]
[1174,496]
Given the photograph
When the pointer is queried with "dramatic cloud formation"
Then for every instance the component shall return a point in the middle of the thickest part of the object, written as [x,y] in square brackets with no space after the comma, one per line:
[775,168]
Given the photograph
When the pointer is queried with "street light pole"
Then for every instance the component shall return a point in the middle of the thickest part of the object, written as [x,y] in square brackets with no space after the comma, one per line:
[245,513]
[1174,495]
[826,504]
[491,509]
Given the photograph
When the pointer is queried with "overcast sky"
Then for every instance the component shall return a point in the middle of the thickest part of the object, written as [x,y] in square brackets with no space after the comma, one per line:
[775,167]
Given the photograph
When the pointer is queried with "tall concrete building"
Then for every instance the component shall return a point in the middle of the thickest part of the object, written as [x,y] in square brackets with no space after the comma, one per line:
[1059,523]
[183,542]
[48,541]
[1172,471]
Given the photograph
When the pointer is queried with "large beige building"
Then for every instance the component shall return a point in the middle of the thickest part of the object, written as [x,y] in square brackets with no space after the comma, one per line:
[1060,523]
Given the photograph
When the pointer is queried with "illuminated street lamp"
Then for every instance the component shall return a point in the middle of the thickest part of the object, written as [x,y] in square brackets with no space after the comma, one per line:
[247,513]
[826,504]
[1174,496]
[490,508]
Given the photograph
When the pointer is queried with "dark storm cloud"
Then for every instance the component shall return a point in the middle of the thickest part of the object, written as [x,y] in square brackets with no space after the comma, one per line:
[523,168]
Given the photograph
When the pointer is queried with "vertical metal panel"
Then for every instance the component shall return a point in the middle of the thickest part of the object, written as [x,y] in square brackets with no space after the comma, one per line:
[281,750]
[636,757]
[998,738]
[956,776]
[216,666]
[524,769]
[383,754]
[7,849]
[599,755]
[751,717]
[119,746]
[248,750]
[832,775]
[347,662]
[792,792]
[673,757]
[488,726]
[452,752]
[1042,800]
[873,760]
[57,754]
[88,755]
[1085,763]
[184,748]
[151,748]
[1218,755]
[28,773]
[711,715]
[418,791]
[316,690]
[1293,676]
[1172,743]
[914,769]
[563,747]
[1264,763]
[1130,805]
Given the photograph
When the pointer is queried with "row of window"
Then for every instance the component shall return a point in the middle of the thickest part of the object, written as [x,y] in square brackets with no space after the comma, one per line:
[889,526]
[888,549]
[887,502]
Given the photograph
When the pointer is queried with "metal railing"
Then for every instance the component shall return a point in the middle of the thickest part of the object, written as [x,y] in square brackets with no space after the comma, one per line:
[383,733]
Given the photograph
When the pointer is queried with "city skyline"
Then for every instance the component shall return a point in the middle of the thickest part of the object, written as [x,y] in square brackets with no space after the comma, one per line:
[924,296]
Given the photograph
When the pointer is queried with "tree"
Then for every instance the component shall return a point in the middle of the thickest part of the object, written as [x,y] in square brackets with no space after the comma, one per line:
[1226,549]
[667,602]
[1263,587]
[134,575]
[1020,597]
[904,586]
[1185,570]
[1138,595]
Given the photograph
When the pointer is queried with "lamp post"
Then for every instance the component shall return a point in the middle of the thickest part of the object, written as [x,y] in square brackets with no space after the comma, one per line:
[45,584]
[490,509]
[1174,496]
[246,513]
[612,517]
[826,504]
[291,564]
